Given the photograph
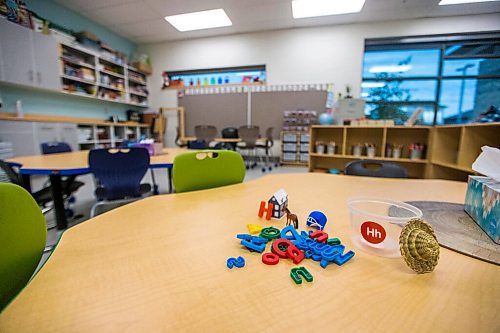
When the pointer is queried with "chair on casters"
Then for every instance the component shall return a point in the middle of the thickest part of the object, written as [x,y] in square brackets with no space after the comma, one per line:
[118,173]
[249,136]
[69,182]
[43,196]
[207,169]
[22,240]
[206,133]
[374,168]
[267,148]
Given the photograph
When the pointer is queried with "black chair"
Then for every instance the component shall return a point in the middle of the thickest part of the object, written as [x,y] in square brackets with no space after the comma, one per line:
[70,182]
[230,133]
[374,168]
[44,196]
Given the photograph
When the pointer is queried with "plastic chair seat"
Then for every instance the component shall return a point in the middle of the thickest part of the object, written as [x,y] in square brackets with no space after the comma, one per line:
[382,169]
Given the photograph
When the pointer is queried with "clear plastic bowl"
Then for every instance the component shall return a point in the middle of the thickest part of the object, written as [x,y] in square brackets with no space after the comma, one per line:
[377,223]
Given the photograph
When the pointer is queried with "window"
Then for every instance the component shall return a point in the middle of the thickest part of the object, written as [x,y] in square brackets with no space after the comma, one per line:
[452,79]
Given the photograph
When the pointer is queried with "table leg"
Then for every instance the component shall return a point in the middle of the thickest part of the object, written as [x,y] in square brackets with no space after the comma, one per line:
[57,196]
[155,186]
[170,187]
[26,182]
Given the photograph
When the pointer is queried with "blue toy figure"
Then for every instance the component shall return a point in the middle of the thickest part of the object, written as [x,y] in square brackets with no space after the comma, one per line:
[316,219]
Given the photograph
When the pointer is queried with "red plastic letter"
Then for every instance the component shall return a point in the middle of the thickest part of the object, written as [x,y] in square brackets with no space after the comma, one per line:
[270,258]
[268,210]
[281,241]
[320,236]
[295,254]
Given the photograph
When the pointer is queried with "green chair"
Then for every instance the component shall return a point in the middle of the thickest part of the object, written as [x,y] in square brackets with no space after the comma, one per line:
[22,240]
[200,170]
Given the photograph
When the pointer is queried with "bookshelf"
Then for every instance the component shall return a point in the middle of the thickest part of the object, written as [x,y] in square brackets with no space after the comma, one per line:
[85,73]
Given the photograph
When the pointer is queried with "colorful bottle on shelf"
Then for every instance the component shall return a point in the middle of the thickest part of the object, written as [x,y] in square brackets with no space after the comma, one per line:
[226,79]
[212,80]
[205,81]
[219,80]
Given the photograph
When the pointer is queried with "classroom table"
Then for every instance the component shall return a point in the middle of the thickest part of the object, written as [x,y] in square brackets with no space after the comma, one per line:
[76,163]
[159,265]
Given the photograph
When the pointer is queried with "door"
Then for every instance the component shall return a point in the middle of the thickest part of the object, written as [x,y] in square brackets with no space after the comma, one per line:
[69,133]
[17,54]
[46,61]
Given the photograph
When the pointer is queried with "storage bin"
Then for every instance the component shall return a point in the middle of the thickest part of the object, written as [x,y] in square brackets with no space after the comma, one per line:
[304,157]
[305,137]
[289,157]
[290,147]
[289,137]
[376,224]
[304,147]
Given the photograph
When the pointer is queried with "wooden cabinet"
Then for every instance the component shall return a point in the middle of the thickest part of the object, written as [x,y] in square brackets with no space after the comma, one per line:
[455,148]
[449,154]
[332,147]
[28,57]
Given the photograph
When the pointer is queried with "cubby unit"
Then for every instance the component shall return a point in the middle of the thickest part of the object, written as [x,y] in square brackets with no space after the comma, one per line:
[472,139]
[364,137]
[447,152]
[446,141]
[294,148]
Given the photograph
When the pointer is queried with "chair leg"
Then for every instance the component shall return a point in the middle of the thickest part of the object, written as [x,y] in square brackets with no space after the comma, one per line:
[94,208]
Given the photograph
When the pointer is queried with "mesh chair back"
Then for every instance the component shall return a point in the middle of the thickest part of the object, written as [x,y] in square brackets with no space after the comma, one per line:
[373,168]
[119,171]
[205,132]
[55,148]
[22,240]
[249,135]
[207,169]
[12,175]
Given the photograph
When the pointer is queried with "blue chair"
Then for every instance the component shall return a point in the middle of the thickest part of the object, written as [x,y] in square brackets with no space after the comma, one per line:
[119,173]
[55,148]
[374,168]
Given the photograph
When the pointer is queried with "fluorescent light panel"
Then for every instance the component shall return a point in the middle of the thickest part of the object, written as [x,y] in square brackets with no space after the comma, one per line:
[313,8]
[459,2]
[206,19]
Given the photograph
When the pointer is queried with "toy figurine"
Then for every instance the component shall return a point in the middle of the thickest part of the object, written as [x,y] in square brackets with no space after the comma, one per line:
[316,219]
[291,218]
[279,201]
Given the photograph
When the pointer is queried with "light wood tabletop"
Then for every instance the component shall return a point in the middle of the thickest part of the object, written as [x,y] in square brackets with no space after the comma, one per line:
[77,162]
[159,265]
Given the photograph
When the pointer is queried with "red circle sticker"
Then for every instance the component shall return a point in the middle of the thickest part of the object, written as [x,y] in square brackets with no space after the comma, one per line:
[373,232]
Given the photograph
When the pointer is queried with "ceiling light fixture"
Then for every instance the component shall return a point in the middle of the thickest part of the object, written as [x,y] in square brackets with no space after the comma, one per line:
[459,2]
[206,19]
[390,69]
[313,8]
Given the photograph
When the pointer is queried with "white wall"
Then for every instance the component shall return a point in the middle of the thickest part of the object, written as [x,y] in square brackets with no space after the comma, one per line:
[305,55]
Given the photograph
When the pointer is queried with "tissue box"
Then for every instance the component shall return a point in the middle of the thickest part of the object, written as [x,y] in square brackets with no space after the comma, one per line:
[153,148]
[482,203]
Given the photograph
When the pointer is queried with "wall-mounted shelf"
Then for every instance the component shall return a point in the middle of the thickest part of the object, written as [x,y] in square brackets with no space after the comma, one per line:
[113,82]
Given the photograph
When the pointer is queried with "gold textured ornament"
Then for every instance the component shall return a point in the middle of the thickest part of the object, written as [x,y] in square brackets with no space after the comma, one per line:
[419,246]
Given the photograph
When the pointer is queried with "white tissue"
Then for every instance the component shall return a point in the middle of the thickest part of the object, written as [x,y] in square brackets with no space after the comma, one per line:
[488,163]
